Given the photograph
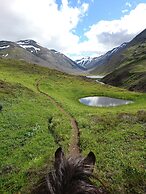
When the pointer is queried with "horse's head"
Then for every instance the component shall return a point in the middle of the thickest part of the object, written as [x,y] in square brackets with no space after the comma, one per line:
[72,175]
[69,176]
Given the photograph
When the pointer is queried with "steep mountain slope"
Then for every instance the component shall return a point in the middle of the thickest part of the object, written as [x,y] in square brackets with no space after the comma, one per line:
[107,62]
[32,52]
[102,64]
[131,69]
[131,76]
[84,62]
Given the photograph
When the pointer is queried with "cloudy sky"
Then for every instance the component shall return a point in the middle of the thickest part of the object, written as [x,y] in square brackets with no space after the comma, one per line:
[75,27]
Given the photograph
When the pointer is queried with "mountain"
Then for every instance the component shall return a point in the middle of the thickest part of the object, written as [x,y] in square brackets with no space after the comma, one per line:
[32,52]
[114,58]
[84,62]
[130,72]
[106,63]
[102,63]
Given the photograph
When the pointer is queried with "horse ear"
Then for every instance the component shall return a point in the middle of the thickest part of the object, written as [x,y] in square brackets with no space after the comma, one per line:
[90,160]
[59,155]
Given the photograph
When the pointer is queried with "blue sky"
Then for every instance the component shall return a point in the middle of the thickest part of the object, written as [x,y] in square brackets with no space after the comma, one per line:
[77,28]
[102,10]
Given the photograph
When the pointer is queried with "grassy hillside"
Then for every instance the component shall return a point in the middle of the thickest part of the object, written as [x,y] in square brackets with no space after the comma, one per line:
[31,128]
[125,66]
[131,73]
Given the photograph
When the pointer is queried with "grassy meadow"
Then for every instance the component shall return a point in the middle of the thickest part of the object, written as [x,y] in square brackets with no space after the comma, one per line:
[31,128]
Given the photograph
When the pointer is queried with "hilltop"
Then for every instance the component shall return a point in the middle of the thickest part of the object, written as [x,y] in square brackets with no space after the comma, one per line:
[30,51]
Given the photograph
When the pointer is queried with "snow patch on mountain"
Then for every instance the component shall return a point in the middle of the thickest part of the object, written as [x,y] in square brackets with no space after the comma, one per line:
[30,45]
[114,50]
[90,62]
[84,61]
[27,42]
[4,47]
[5,55]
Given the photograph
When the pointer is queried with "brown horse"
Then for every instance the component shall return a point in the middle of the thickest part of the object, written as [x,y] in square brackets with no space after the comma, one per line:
[70,176]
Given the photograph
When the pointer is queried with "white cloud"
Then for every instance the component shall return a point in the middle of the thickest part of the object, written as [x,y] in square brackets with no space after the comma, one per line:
[79,1]
[41,20]
[85,7]
[128,4]
[125,10]
[54,26]
[104,35]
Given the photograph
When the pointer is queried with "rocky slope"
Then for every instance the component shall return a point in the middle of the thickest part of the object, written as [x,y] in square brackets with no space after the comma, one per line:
[84,62]
[32,52]
[104,63]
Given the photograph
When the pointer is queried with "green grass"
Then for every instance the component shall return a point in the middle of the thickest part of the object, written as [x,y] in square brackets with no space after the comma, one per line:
[31,128]
[130,71]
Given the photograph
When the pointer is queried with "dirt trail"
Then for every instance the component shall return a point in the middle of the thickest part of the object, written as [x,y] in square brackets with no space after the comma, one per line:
[74,149]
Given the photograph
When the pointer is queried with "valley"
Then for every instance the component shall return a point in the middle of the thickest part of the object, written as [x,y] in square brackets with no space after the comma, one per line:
[40,111]
[123,66]
[72,97]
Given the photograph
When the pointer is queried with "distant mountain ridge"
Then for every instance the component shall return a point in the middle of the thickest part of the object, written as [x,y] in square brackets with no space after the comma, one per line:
[130,72]
[100,64]
[111,60]
[32,52]
[124,66]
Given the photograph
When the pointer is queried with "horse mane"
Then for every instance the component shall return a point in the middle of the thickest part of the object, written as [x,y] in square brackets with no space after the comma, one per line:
[70,176]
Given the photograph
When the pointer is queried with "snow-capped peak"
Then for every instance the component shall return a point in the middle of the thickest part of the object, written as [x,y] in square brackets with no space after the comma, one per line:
[27,42]
[84,61]
[30,45]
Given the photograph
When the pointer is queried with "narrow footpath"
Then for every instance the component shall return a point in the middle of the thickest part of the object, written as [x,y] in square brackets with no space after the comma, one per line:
[74,149]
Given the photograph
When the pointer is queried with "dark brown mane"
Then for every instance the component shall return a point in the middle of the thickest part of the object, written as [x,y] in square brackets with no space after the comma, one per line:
[70,176]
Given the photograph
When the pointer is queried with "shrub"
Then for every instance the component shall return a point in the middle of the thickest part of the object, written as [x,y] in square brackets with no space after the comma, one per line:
[1,107]
[141,115]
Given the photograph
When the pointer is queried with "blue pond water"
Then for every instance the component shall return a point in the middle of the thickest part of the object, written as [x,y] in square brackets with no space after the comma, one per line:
[100,101]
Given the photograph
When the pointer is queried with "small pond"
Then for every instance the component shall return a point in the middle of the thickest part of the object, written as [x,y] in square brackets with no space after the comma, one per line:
[103,101]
